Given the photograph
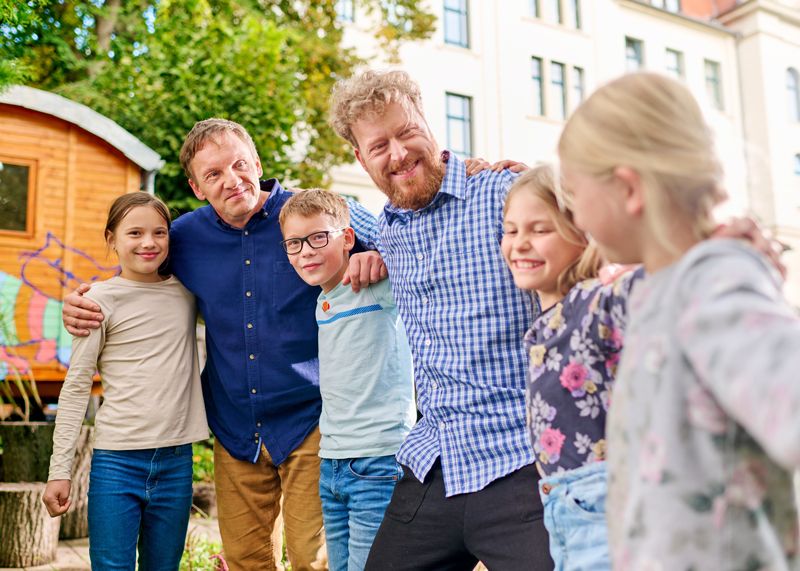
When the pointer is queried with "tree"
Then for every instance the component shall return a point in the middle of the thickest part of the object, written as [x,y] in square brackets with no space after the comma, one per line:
[157,66]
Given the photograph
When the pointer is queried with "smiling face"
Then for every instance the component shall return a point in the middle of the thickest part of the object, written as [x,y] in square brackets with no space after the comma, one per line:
[534,250]
[141,241]
[226,172]
[323,266]
[401,156]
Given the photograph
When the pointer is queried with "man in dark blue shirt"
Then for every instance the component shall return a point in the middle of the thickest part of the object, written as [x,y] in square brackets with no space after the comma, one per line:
[261,380]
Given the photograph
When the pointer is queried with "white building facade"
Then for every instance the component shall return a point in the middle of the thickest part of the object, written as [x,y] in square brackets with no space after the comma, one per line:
[499,78]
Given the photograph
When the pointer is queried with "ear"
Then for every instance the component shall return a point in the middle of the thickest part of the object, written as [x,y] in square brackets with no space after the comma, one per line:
[258,166]
[110,241]
[349,238]
[196,189]
[633,192]
[360,159]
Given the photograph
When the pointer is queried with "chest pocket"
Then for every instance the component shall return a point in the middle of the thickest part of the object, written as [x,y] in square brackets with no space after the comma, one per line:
[288,290]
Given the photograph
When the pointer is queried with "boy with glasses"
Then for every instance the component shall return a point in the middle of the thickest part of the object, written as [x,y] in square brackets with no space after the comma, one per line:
[365,377]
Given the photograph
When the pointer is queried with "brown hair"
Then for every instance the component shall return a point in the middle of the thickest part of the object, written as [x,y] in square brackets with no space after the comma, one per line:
[652,124]
[368,94]
[209,130]
[307,203]
[540,182]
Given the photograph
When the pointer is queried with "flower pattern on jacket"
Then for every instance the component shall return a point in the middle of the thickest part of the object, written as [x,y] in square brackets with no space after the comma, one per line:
[574,350]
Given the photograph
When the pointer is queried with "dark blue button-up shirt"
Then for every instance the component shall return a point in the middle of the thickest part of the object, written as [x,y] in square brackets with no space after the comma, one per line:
[261,379]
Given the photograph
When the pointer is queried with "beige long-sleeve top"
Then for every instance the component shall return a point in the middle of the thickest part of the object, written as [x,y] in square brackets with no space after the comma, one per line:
[146,354]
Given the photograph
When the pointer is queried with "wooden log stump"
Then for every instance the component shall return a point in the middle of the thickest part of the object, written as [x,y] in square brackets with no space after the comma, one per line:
[30,535]
[26,450]
[75,523]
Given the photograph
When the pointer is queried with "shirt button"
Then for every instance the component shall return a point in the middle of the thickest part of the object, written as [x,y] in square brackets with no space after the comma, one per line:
[249,325]
[247,262]
[246,233]
[256,434]
[420,256]
[427,342]
[253,391]
[441,426]
[248,294]
[425,299]
[258,424]
[434,384]
[252,356]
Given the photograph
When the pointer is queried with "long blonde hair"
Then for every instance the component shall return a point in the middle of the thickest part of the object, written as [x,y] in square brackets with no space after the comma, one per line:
[540,182]
[653,125]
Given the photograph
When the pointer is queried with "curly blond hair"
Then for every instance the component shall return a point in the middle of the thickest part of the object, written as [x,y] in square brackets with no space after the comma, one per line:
[307,203]
[368,94]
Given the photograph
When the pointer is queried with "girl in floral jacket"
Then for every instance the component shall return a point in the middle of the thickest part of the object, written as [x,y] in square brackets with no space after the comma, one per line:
[574,346]
[704,432]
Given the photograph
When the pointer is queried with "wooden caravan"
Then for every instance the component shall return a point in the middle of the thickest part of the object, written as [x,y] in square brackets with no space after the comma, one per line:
[61,166]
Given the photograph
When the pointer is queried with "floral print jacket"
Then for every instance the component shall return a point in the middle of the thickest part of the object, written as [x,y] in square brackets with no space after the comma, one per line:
[705,426]
[574,348]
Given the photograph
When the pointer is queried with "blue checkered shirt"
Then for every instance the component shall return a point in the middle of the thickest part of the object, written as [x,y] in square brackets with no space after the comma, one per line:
[465,321]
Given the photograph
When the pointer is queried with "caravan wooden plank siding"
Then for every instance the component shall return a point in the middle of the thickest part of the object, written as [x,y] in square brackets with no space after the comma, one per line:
[61,166]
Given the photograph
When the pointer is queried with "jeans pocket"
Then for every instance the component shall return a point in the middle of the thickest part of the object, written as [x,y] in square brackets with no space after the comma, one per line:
[376,468]
[589,504]
[407,497]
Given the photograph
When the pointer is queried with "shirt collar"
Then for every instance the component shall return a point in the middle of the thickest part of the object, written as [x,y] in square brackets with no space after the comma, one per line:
[453,184]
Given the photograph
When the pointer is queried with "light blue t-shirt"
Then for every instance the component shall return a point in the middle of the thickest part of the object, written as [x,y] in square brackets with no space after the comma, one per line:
[365,373]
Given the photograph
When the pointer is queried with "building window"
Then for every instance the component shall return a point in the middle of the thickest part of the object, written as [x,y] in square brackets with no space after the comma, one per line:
[797,164]
[538,86]
[535,9]
[459,124]
[456,27]
[555,11]
[577,86]
[559,93]
[793,91]
[575,6]
[16,195]
[713,83]
[633,54]
[675,63]
[345,10]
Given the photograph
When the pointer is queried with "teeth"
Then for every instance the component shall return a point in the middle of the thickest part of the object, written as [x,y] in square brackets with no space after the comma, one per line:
[525,265]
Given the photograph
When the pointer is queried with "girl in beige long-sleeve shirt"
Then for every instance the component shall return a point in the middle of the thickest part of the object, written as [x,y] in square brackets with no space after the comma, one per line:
[140,487]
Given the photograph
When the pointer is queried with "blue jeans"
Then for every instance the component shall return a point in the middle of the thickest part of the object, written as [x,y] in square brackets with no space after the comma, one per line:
[354,494]
[139,496]
[575,517]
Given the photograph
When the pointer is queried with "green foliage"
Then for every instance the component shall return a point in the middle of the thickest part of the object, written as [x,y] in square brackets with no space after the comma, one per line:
[158,66]
[203,461]
[198,554]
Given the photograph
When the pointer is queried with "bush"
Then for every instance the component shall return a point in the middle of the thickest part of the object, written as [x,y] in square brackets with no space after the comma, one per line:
[203,461]
[199,554]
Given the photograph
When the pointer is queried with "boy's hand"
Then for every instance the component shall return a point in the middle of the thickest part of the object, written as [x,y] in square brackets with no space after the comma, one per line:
[747,229]
[79,313]
[476,165]
[56,497]
[364,269]
[513,166]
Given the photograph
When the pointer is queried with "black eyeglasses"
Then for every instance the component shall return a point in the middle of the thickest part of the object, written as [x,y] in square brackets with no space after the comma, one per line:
[316,240]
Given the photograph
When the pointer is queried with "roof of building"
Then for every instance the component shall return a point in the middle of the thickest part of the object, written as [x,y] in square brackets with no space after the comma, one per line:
[85,118]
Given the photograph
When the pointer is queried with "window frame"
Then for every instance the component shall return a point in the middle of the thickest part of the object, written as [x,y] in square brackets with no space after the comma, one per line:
[797,164]
[562,85]
[681,71]
[542,111]
[463,19]
[578,86]
[30,207]
[718,99]
[793,93]
[465,153]
[535,9]
[634,43]
[577,14]
[559,11]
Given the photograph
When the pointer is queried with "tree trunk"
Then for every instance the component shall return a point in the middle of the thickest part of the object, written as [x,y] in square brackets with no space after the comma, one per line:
[26,450]
[75,523]
[30,535]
